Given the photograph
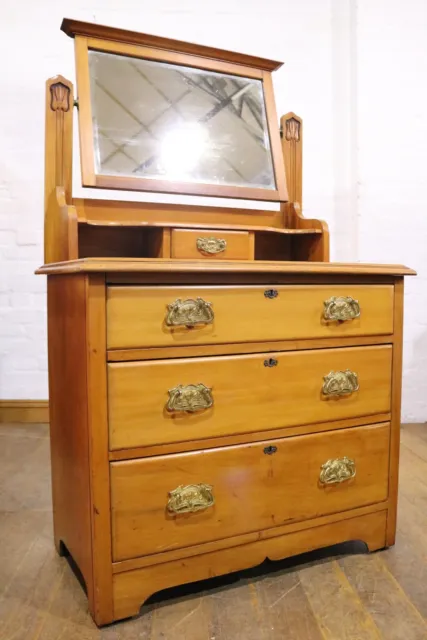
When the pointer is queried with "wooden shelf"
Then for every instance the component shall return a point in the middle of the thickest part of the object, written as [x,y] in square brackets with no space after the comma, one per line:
[182,225]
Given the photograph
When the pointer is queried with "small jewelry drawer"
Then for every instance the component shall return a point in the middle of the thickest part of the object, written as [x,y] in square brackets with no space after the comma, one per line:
[211,244]
[179,500]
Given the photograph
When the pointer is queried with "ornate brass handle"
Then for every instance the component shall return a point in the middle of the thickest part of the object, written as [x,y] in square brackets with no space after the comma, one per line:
[190,498]
[340,383]
[189,313]
[211,245]
[341,308]
[190,397]
[337,470]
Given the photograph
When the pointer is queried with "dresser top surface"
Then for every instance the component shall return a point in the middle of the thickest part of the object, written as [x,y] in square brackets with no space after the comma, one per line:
[147,265]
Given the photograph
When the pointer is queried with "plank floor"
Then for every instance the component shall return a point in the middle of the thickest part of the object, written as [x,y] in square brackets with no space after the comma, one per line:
[340,593]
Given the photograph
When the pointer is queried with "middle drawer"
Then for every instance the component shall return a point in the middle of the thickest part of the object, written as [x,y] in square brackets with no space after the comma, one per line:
[164,401]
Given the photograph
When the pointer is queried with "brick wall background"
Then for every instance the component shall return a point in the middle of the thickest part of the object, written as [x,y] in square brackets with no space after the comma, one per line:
[355,71]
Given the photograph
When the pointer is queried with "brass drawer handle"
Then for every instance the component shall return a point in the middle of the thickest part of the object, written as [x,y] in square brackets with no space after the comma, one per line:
[189,313]
[341,308]
[211,245]
[190,498]
[340,383]
[337,470]
[190,397]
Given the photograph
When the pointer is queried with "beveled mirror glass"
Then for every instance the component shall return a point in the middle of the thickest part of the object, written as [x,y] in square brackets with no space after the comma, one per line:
[164,121]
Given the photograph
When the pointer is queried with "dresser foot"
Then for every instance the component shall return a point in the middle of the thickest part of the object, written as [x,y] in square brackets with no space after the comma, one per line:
[132,588]
[61,549]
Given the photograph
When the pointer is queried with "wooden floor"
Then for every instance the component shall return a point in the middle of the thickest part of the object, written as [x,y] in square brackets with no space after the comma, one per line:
[338,594]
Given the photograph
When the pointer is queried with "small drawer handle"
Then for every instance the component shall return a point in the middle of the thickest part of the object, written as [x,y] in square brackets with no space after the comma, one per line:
[189,313]
[341,308]
[211,245]
[189,398]
[190,498]
[337,470]
[340,383]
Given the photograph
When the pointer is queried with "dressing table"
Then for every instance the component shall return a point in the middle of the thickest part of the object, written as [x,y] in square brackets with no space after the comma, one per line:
[220,393]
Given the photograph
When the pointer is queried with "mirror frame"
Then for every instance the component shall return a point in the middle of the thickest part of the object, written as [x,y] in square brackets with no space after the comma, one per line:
[120,42]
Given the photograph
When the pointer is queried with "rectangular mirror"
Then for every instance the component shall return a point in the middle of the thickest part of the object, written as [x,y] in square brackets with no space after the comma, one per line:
[157,120]
[159,125]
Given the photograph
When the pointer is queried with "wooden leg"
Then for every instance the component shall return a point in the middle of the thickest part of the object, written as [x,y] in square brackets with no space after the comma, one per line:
[132,588]
[61,548]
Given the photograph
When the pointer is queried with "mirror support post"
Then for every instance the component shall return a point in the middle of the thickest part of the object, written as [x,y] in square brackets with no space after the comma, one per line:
[60,218]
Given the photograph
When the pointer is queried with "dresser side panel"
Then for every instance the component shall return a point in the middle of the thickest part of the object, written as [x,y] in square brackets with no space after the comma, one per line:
[396,397]
[102,606]
[68,420]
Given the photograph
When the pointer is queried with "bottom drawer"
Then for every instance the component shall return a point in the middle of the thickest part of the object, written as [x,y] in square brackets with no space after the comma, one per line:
[179,500]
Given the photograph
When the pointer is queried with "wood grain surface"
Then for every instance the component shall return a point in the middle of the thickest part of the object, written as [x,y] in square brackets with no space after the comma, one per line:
[247,394]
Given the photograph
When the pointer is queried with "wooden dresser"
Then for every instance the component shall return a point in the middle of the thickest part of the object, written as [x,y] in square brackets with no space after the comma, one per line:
[219,392]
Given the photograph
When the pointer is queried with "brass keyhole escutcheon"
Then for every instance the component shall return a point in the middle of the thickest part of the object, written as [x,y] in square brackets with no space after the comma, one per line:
[271,293]
[271,362]
[270,450]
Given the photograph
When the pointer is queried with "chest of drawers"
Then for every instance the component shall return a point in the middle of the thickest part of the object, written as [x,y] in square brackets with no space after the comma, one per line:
[187,445]
[220,393]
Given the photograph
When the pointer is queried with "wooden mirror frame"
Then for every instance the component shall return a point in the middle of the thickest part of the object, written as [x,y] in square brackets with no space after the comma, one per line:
[117,41]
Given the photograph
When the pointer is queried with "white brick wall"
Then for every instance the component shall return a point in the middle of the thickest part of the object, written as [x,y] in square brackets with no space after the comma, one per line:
[344,74]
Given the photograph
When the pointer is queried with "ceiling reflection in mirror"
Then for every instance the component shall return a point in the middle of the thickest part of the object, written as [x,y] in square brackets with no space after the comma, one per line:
[169,122]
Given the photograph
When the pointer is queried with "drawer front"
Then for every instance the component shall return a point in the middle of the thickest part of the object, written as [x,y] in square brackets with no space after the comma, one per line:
[154,402]
[166,316]
[179,500]
[210,244]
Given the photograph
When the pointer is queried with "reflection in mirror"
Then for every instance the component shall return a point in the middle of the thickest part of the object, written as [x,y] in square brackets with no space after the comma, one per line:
[169,122]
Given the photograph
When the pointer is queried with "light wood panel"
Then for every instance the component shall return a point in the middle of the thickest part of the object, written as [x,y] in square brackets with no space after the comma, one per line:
[233,348]
[78,431]
[245,538]
[86,137]
[60,219]
[132,588]
[396,409]
[149,213]
[247,395]
[255,436]
[291,133]
[252,490]
[136,315]
[184,244]
[92,30]
[97,417]
[69,436]
[146,265]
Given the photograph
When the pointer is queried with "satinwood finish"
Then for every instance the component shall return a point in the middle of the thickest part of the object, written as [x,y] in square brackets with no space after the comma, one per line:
[137,315]
[78,430]
[249,393]
[253,491]
[132,587]
[269,417]
[237,244]
[91,30]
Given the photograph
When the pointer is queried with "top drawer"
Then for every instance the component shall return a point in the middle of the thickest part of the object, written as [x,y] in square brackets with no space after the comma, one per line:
[210,245]
[165,316]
